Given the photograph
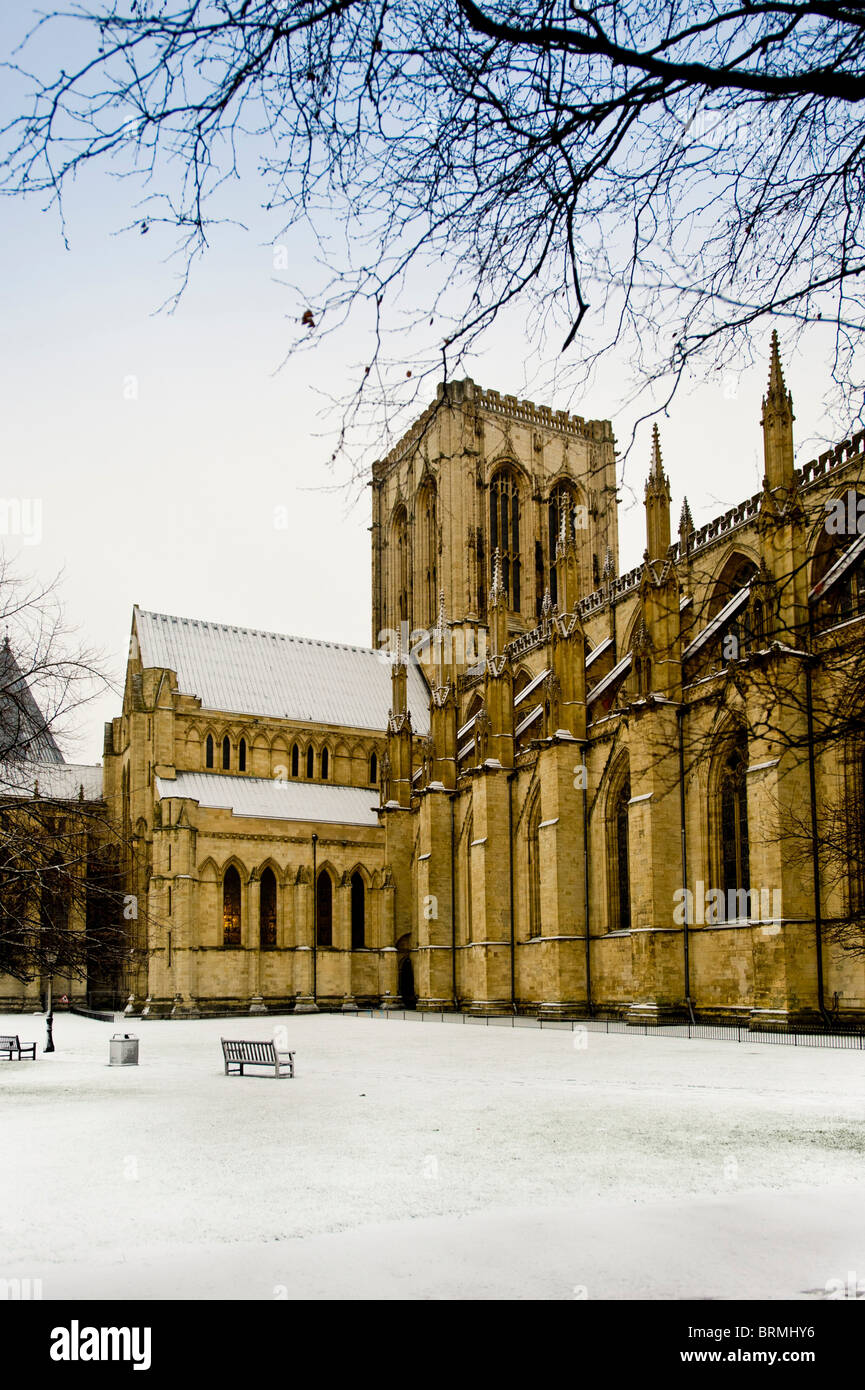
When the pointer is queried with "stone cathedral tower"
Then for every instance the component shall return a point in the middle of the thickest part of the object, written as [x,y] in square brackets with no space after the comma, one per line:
[481,472]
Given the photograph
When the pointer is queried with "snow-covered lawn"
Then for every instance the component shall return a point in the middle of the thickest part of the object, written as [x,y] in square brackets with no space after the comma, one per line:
[430,1160]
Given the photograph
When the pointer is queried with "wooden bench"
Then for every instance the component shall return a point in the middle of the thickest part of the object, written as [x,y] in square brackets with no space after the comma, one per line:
[11,1045]
[259,1053]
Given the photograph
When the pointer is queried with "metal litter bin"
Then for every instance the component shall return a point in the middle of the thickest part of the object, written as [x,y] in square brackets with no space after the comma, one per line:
[123,1050]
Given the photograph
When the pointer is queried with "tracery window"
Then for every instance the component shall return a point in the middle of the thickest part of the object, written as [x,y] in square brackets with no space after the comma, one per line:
[427,533]
[358,911]
[620,855]
[400,564]
[267,909]
[534,846]
[735,867]
[505,532]
[324,909]
[231,907]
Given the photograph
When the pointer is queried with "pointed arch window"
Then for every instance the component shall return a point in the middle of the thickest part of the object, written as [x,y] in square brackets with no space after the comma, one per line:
[310,761]
[620,857]
[734,858]
[295,760]
[534,847]
[208,751]
[241,755]
[325,764]
[324,909]
[226,753]
[373,769]
[400,564]
[358,912]
[505,532]
[562,504]
[267,909]
[427,522]
[231,907]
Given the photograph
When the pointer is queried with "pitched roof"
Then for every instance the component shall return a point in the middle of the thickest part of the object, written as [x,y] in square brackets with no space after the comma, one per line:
[24,732]
[275,800]
[55,781]
[244,671]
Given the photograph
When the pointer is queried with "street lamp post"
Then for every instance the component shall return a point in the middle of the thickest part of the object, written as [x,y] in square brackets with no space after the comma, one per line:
[314,921]
[49,1021]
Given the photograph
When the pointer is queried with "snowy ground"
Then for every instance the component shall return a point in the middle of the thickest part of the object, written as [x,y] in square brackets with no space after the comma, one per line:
[430,1161]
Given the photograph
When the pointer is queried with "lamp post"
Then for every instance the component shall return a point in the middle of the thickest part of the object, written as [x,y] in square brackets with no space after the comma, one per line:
[314,920]
[51,964]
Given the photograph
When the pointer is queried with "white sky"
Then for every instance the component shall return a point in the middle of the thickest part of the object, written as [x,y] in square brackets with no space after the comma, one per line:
[168,500]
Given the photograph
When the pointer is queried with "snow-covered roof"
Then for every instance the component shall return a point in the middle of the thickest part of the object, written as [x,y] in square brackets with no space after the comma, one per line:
[55,781]
[274,800]
[839,568]
[729,611]
[244,671]
[610,678]
[24,730]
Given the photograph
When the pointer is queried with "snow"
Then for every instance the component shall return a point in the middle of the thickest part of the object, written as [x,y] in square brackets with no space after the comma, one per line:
[430,1160]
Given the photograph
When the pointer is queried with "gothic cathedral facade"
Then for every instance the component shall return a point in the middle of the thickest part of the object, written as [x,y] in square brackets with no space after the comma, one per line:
[549,787]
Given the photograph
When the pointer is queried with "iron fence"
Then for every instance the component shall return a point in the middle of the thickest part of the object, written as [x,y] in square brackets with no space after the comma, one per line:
[713,1032]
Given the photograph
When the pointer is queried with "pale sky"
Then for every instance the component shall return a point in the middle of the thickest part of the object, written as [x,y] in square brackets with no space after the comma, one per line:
[159,445]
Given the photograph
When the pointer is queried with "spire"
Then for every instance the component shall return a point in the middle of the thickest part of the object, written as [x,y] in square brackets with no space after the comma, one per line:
[777,421]
[562,542]
[686,528]
[497,589]
[442,630]
[398,676]
[656,467]
[657,500]
[498,608]
[777,391]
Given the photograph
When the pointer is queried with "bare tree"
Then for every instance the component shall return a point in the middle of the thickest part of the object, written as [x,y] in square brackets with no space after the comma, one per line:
[63,908]
[660,176]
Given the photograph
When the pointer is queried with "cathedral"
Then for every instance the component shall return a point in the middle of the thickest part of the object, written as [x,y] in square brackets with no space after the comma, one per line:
[548,787]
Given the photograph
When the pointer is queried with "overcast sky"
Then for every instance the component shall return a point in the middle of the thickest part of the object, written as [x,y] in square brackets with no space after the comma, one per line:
[160,444]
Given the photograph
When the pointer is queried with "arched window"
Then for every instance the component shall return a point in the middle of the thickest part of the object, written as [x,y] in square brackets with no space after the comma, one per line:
[427,551]
[295,760]
[231,907]
[734,861]
[208,751]
[399,559]
[534,846]
[563,503]
[325,764]
[620,858]
[226,753]
[310,761]
[241,755]
[267,909]
[505,532]
[373,769]
[358,912]
[844,596]
[324,909]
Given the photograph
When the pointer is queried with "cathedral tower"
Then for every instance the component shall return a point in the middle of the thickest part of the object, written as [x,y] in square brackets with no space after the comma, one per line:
[478,473]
